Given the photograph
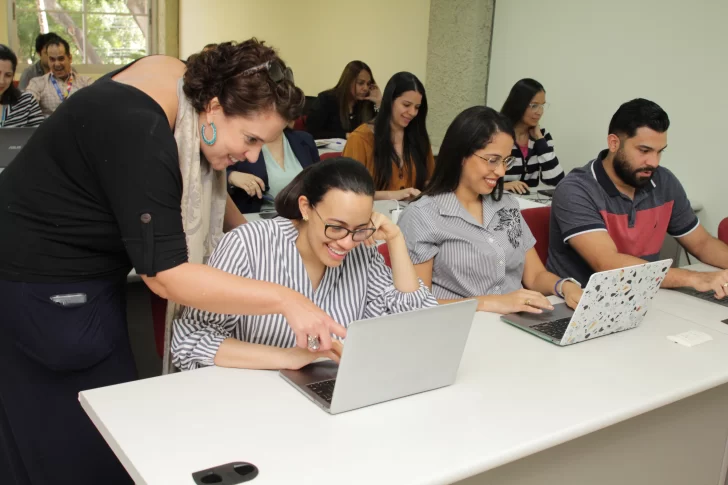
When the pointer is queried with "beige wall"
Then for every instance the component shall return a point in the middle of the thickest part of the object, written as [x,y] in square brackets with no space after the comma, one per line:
[4,22]
[592,56]
[317,37]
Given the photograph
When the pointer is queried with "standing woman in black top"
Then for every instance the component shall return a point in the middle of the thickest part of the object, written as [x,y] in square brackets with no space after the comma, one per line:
[18,109]
[340,110]
[101,188]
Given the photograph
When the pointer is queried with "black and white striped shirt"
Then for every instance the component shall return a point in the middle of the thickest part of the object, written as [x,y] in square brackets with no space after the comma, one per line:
[470,259]
[540,162]
[361,287]
[25,112]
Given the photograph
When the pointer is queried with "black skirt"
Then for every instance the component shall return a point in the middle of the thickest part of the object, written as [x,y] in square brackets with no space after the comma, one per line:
[48,354]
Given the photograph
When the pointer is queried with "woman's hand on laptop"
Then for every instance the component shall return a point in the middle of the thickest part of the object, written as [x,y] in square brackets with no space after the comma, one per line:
[295,357]
[572,294]
[517,301]
[306,319]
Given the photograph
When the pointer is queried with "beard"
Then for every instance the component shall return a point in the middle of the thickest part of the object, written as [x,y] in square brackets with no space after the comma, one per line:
[624,171]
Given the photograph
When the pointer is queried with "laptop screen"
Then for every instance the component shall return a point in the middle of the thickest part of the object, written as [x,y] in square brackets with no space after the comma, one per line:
[11,141]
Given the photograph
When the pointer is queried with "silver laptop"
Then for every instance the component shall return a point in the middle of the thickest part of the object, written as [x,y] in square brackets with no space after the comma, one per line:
[612,301]
[11,141]
[390,357]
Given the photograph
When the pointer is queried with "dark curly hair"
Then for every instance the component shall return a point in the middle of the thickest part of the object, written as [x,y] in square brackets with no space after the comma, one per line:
[218,73]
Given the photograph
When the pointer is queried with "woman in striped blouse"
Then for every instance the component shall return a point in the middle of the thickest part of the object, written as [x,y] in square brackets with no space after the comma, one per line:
[18,109]
[533,151]
[315,248]
[466,238]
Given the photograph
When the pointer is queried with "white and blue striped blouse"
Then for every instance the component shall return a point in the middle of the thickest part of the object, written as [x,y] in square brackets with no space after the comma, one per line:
[361,287]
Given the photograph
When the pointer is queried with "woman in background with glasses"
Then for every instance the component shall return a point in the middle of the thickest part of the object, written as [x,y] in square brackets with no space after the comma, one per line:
[466,238]
[127,173]
[322,246]
[533,150]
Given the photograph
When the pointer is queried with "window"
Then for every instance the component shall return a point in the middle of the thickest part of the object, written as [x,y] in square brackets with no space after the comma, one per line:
[111,32]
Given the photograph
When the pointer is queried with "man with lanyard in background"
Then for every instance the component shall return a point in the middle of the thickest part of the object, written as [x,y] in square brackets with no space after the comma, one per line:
[53,88]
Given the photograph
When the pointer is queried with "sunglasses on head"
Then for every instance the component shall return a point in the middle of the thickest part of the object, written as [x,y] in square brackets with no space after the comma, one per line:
[275,70]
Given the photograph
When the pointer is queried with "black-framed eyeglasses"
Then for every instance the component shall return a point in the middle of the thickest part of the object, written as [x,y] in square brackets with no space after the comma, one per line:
[275,71]
[496,160]
[336,232]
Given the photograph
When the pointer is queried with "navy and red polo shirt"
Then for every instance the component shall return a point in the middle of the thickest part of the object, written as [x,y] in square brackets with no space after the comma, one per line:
[587,200]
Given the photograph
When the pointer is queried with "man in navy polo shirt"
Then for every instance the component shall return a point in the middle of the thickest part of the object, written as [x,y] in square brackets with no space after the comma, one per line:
[616,210]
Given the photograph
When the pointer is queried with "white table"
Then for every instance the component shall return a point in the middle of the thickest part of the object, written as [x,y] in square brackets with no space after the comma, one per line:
[704,313]
[630,408]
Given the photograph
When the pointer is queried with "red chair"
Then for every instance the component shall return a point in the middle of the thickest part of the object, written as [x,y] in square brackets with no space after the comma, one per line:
[300,123]
[330,155]
[384,251]
[723,230]
[159,316]
[538,219]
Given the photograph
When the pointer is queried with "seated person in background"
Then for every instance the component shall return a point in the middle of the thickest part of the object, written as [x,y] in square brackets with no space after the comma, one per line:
[466,238]
[18,109]
[533,150]
[279,162]
[616,210]
[39,67]
[395,147]
[353,101]
[61,82]
[315,248]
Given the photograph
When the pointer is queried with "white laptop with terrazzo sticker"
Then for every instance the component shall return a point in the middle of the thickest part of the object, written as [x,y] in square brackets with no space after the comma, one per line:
[613,301]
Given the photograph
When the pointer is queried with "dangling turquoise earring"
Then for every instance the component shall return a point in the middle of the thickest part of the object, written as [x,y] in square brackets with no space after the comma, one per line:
[214,134]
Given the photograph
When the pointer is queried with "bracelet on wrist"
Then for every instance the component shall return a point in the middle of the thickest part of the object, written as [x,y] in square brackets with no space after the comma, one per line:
[559,286]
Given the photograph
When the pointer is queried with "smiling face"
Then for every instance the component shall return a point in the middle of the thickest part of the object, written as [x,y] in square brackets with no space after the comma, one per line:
[480,176]
[362,84]
[238,137]
[59,60]
[405,108]
[338,208]
[6,75]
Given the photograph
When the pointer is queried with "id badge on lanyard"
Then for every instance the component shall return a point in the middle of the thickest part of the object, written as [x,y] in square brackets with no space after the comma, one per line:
[61,94]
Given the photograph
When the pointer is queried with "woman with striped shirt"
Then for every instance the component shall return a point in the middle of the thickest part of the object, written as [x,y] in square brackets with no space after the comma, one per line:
[533,152]
[315,248]
[466,238]
[18,109]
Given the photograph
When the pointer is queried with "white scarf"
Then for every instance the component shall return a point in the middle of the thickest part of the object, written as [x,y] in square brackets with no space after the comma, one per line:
[204,194]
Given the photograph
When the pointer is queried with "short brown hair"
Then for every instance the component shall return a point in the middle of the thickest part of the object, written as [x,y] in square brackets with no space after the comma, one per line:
[218,73]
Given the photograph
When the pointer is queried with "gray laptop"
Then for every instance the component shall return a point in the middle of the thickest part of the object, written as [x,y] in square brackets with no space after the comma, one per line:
[390,357]
[612,301]
[11,141]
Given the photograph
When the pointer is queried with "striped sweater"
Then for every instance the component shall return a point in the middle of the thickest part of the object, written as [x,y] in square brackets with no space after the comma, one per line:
[541,162]
[25,112]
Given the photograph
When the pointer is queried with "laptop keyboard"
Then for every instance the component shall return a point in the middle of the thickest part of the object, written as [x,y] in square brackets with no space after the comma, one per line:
[703,295]
[556,328]
[324,389]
